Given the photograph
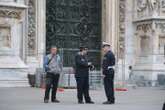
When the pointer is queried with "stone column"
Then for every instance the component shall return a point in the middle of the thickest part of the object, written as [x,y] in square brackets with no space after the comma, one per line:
[31,57]
[36,40]
[41,30]
[129,38]
[110,29]
[110,22]
[155,39]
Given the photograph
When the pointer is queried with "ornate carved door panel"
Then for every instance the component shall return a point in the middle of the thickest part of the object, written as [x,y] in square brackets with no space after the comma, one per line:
[71,24]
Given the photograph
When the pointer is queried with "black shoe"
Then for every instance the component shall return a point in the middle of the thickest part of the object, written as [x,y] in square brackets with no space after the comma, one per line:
[90,102]
[55,101]
[46,101]
[109,102]
[80,102]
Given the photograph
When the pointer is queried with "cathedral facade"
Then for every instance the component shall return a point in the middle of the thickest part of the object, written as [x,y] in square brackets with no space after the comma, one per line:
[134,28]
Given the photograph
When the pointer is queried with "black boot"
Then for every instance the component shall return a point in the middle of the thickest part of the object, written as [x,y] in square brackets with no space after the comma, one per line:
[90,102]
[80,102]
[109,102]
[55,101]
[46,100]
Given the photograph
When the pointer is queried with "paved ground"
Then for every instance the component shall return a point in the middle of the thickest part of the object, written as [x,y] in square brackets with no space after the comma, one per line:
[32,99]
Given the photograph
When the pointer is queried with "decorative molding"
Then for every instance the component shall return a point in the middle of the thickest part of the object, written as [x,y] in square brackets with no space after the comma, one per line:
[145,27]
[154,26]
[160,26]
[10,13]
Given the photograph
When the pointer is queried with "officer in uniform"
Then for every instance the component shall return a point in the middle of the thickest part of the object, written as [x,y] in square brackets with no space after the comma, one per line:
[82,76]
[108,73]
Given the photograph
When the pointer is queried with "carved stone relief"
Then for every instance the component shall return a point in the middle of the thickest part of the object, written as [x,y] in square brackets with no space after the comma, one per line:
[145,30]
[163,3]
[31,28]
[144,27]
[162,6]
[122,7]
[153,5]
[147,8]
[5,37]
[10,13]
[141,5]
[160,26]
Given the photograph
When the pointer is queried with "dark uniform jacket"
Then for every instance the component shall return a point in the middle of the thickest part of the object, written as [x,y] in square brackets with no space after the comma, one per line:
[108,60]
[81,66]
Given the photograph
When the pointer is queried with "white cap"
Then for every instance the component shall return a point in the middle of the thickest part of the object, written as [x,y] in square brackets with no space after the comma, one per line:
[105,44]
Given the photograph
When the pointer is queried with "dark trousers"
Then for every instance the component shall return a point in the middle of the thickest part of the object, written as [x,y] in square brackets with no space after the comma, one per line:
[83,88]
[163,106]
[109,85]
[51,84]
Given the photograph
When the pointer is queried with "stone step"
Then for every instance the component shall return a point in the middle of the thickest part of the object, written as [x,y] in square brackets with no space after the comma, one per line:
[10,77]
[14,83]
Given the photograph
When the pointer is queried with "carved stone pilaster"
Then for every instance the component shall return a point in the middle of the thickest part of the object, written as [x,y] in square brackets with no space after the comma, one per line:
[31,28]
[122,12]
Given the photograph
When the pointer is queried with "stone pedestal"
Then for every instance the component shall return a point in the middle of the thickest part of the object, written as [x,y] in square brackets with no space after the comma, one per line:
[13,70]
[149,35]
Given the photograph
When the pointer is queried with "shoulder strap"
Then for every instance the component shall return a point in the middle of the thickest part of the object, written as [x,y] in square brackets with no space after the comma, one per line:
[50,59]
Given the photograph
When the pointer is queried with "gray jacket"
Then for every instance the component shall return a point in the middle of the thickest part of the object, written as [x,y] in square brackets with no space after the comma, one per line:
[54,66]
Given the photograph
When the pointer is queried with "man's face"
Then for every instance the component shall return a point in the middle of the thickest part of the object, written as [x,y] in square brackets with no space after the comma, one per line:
[85,51]
[106,48]
[53,50]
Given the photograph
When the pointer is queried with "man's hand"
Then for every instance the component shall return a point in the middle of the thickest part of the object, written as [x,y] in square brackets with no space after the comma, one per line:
[47,68]
[92,67]
[103,76]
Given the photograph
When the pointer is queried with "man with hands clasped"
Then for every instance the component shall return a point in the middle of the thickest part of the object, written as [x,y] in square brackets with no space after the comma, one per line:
[108,65]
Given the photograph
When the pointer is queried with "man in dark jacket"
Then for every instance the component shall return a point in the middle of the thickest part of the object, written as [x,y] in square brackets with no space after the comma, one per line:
[108,73]
[82,76]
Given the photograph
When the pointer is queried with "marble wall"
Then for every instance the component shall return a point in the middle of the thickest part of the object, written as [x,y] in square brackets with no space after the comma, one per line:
[12,43]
